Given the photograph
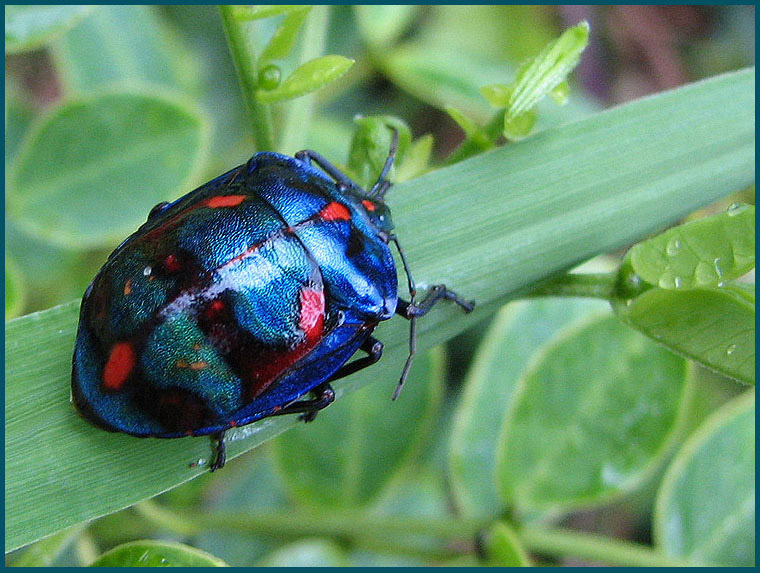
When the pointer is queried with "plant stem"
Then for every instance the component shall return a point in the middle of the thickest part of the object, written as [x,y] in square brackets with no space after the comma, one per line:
[294,128]
[362,528]
[592,285]
[561,542]
[238,37]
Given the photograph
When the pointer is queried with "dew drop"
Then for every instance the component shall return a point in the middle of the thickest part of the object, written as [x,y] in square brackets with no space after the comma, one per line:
[677,282]
[718,270]
[730,350]
[673,247]
[736,208]
[634,280]
[147,270]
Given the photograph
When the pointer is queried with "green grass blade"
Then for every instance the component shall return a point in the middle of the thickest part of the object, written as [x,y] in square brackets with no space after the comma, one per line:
[488,227]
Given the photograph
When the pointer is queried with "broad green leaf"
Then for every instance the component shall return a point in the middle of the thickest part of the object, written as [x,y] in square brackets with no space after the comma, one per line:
[592,417]
[129,45]
[547,70]
[700,253]
[15,291]
[714,326]
[370,145]
[90,171]
[150,553]
[284,38]
[381,25]
[352,450]
[517,333]
[705,510]
[504,549]
[308,77]
[307,553]
[51,275]
[18,115]
[30,27]
[489,227]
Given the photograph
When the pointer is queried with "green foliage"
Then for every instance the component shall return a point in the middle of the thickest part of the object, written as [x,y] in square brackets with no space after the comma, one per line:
[91,148]
[708,520]
[681,291]
[29,27]
[150,553]
[564,406]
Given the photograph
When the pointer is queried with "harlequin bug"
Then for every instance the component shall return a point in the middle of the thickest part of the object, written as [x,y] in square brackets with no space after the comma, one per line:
[233,302]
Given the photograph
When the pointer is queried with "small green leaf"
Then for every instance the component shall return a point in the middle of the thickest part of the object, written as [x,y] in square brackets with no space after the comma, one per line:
[284,38]
[714,326]
[150,553]
[504,549]
[519,127]
[547,70]
[353,449]
[561,93]
[309,77]
[599,408]
[381,25]
[30,27]
[14,289]
[700,253]
[307,553]
[444,76]
[705,509]
[89,171]
[370,145]
[417,159]
[475,133]
[497,95]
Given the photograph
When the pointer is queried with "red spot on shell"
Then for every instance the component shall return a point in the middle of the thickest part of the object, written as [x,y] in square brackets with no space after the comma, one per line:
[171,264]
[120,363]
[335,212]
[312,314]
[311,319]
[368,205]
[225,201]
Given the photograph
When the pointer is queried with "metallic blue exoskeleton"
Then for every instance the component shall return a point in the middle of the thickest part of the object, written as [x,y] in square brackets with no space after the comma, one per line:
[233,302]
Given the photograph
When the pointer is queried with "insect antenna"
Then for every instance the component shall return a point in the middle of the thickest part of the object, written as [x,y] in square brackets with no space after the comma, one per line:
[412,320]
[380,188]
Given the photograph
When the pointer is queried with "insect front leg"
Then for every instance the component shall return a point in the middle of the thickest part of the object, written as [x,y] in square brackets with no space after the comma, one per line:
[307,156]
[412,311]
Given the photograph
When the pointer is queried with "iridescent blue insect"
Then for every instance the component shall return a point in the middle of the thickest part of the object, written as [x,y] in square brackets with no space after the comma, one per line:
[235,301]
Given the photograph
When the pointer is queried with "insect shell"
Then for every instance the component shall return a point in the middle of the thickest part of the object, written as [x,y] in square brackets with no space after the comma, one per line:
[232,303]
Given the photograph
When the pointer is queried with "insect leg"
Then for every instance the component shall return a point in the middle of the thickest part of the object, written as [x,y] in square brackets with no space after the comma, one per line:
[309,408]
[411,311]
[307,156]
[220,451]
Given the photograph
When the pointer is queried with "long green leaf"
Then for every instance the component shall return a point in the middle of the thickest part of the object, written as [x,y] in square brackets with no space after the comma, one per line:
[488,227]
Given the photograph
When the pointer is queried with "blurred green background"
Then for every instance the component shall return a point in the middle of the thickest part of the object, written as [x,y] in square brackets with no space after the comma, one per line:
[171,65]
